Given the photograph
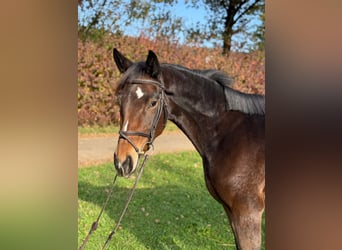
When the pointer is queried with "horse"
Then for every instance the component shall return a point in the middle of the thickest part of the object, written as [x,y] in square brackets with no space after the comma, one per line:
[226,127]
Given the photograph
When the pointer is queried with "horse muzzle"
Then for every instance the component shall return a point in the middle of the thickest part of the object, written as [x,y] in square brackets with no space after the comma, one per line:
[124,168]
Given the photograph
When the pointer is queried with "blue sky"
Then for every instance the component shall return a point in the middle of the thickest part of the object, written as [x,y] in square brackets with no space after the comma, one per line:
[190,16]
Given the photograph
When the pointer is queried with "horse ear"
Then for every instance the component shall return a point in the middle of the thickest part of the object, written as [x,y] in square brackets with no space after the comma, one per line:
[121,62]
[152,64]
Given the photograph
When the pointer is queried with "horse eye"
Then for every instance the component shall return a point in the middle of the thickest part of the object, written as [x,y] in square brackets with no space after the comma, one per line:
[153,103]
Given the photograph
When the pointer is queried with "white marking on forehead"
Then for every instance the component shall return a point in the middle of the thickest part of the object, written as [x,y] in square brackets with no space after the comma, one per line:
[139,93]
[125,127]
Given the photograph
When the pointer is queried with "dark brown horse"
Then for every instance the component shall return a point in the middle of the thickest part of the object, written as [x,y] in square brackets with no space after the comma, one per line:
[225,125]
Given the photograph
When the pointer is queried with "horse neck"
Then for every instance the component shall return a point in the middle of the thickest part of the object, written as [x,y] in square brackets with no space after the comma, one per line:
[196,105]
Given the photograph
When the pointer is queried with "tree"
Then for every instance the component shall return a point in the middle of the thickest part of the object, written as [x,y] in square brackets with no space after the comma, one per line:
[227,18]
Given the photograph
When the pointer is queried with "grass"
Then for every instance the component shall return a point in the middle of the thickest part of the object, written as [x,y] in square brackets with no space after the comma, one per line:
[171,208]
[113,129]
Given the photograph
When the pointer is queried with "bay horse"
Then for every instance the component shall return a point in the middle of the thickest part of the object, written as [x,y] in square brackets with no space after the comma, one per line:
[227,128]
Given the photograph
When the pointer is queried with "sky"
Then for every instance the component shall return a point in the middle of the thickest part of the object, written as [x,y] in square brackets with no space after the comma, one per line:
[189,15]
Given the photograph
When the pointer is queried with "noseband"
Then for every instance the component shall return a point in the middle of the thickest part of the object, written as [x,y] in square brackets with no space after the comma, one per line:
[161,107]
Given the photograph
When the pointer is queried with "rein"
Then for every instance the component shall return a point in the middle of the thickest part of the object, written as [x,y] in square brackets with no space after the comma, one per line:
[111,234]
[125,135]
[96,223]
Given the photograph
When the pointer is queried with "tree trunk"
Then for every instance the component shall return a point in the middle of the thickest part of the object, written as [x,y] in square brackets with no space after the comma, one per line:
[227,43]
[228,28]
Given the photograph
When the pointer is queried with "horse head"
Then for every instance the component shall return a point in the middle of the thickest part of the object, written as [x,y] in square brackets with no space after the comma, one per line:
[143,113]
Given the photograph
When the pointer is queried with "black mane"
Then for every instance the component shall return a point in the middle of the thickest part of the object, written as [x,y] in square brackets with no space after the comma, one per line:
[235,100]
[216,75]
[247,103]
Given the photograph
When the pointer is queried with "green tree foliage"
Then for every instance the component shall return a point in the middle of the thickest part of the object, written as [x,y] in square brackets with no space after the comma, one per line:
[96,17]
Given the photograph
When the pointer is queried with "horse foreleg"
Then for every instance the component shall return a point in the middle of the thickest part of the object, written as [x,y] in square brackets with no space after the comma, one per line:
[244,213]
[246,224]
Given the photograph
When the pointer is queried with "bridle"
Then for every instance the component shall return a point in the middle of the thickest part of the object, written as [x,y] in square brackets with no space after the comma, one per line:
[162,107]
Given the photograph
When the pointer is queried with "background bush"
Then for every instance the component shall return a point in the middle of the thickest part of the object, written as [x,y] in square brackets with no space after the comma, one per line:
[97,73]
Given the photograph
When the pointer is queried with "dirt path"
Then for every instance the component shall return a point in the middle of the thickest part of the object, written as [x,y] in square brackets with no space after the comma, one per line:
[97,150]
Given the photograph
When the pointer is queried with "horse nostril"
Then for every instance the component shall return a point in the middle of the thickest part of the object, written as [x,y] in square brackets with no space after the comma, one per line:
[128,164]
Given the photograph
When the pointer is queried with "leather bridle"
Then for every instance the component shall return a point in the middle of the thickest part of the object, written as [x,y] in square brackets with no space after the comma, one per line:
[162,107]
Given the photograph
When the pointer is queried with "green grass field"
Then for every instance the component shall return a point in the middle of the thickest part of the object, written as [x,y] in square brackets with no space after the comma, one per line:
[171,208]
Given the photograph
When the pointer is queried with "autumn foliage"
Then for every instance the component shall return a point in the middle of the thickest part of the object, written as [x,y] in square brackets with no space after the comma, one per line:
[97,73]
